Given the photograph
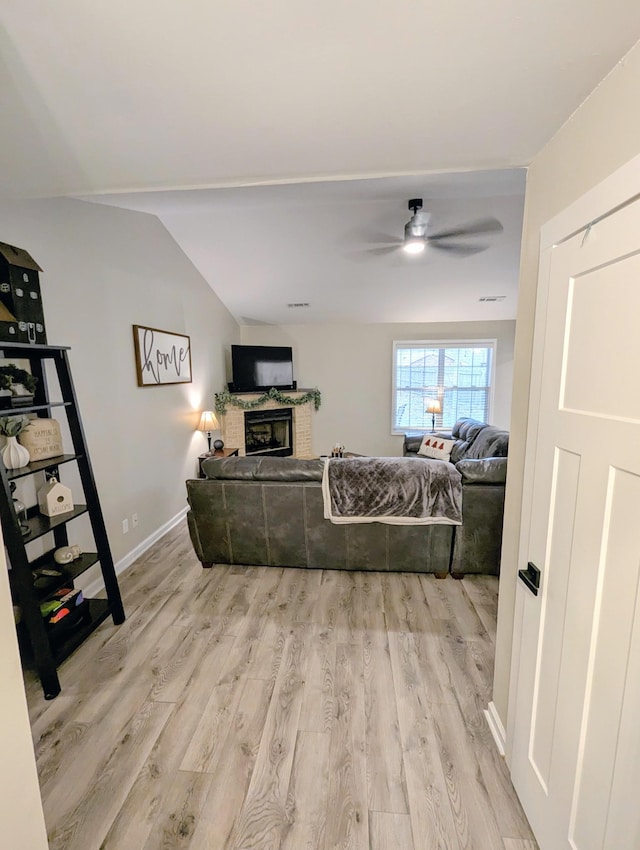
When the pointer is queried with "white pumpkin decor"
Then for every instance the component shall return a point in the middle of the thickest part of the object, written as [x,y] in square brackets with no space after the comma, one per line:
[13,454]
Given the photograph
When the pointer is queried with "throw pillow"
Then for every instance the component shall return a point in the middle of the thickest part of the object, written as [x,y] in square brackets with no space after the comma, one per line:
[436,447]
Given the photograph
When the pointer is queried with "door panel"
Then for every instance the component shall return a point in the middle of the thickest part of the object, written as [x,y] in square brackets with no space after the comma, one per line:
[611,662]
[603,388]
[575,747]
[564,495]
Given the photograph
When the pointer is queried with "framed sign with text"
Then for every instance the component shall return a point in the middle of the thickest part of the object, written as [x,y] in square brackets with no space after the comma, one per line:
[162,357]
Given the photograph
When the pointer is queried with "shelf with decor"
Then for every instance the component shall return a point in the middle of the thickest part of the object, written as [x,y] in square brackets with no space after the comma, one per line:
[39,525]
[31,408]
[54,617]
[39,466]
[46,563]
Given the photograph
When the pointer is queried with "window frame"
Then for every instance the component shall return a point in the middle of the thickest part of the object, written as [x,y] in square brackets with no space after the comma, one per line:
[439,343]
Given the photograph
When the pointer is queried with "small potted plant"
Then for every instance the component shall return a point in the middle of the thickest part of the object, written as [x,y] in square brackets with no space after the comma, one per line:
[13,454]
[19,382]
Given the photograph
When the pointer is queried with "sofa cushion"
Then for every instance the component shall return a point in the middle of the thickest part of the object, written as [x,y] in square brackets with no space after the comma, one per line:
[467,429]
[411,443]
[230,467]
[459,450]
[263,469]
[487,470]
[464,432]
[490,442]
[435,447]
[289,469]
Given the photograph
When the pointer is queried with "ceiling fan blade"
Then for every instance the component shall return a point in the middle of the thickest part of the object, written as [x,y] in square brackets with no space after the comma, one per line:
[363,255]
[381,252]
[483,225]
[382,239]
[459,250]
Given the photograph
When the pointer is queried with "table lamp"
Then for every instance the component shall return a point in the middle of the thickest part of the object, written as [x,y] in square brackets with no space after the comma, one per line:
[433,407]
[209,423]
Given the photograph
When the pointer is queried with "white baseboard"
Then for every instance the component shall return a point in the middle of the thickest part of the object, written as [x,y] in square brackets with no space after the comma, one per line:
[496,727]
[97,585]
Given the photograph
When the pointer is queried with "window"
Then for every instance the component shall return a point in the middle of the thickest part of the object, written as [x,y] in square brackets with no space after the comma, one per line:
[457,374]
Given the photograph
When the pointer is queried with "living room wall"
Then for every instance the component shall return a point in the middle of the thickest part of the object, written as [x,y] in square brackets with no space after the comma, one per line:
[105,269]
[602,135]
[351,364]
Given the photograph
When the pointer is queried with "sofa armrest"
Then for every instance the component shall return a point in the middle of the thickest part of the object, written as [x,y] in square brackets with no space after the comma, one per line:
[485,470]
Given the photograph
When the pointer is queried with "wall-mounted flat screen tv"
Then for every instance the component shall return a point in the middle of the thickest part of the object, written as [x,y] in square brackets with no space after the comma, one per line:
[260,367]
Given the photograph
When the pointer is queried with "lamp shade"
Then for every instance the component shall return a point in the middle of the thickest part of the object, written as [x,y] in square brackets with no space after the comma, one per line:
[208,421]
[433,406]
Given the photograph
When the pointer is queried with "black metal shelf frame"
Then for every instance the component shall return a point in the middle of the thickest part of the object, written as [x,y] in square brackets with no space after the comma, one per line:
[46,647]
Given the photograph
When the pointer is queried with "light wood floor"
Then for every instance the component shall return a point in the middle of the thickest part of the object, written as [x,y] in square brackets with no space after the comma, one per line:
[278,708]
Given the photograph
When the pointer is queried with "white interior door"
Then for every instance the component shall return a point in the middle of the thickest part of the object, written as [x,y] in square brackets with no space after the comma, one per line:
[576,735]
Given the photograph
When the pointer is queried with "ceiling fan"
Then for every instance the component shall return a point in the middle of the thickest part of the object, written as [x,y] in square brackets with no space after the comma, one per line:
[416,238]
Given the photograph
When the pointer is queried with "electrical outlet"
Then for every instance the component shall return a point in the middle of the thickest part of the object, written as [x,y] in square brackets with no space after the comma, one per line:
[125,526]
[134,520]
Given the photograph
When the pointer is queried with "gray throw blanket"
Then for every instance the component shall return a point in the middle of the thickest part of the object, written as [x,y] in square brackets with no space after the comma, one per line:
[395,490]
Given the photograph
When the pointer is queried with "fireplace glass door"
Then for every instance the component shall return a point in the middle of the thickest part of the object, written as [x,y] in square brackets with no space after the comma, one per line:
[269,432]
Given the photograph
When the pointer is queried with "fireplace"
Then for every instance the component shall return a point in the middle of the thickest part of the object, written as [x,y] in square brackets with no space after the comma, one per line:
[269,432]
[233,430]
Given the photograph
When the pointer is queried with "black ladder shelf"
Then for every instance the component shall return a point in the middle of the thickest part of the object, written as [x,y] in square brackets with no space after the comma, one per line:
[43,648]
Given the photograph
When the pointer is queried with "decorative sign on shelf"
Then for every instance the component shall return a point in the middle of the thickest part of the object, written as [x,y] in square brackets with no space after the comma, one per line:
[42,438]
[162,357]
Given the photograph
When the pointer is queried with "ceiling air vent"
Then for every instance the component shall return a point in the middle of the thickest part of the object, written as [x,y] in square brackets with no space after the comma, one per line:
[295,304]
[492,298]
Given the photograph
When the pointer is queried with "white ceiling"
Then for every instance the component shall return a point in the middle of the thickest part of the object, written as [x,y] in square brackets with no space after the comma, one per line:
[125,97]
[262,248]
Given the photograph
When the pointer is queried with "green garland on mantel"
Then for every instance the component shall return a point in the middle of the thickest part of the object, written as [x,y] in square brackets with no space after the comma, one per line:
[225,398]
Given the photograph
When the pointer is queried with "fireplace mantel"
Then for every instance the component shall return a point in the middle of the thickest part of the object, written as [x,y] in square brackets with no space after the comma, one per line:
[232,422]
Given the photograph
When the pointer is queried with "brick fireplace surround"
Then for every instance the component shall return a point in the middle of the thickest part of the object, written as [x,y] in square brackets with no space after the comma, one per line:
[232,423]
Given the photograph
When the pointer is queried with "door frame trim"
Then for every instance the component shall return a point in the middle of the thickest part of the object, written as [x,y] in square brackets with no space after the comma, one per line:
[620,188]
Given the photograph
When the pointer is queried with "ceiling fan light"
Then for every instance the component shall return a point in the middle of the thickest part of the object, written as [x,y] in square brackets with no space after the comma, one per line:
[414,245]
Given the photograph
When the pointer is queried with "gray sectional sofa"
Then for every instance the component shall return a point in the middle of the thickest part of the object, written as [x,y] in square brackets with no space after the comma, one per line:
[480,455]
[270,511]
